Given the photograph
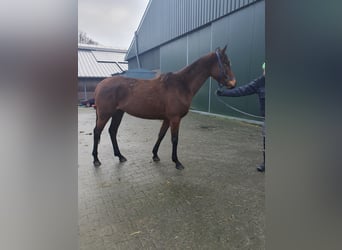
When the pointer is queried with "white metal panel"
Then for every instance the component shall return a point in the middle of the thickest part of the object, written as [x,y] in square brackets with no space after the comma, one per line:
[88,66]
[105,56]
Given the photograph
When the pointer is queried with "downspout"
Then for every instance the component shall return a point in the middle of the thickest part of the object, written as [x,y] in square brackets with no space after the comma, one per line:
[136,48]
[210,83]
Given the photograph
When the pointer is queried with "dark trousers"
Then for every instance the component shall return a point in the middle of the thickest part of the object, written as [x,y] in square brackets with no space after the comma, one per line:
[263,151]
[264,137]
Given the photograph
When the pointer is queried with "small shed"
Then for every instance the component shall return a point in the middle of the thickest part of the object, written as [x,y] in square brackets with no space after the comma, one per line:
[138,73]
[96,63]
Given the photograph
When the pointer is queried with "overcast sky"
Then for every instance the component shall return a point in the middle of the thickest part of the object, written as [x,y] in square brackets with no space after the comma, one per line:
[110,22]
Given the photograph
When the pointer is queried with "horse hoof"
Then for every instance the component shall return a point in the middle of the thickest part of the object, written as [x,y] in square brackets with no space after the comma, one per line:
[122,159]
[179,166]
[156,158]
[97,164]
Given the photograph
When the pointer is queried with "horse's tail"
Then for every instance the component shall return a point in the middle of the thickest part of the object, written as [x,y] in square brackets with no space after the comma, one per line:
[97,117]
[94,105]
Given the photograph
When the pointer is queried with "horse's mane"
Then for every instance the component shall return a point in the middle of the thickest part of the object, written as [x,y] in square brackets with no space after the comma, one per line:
[166,77]
[178,78]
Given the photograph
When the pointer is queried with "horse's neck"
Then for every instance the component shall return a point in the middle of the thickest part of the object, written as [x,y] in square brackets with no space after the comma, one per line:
[197,73]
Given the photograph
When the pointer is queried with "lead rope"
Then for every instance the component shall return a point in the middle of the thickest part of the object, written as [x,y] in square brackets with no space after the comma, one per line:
[237,110]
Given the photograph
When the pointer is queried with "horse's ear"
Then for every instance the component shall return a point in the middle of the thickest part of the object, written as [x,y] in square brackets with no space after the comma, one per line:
[224,49]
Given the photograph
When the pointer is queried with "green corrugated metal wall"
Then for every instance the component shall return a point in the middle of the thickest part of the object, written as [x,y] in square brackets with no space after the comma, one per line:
[199,44]
[168,19]
[243,31]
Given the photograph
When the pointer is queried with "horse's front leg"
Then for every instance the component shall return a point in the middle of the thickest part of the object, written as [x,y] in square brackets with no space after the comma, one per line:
[174,139]
[162,132]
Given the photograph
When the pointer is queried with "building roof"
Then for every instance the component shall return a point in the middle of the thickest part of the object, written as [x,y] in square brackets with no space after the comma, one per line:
[99,61]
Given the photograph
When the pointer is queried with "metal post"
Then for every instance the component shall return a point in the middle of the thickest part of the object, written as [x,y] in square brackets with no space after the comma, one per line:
[136,48]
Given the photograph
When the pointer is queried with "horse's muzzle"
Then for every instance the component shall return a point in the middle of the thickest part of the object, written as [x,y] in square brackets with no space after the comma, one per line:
[231,83]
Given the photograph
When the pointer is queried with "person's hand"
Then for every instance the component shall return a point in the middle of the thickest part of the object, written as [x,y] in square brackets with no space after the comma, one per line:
[219,92]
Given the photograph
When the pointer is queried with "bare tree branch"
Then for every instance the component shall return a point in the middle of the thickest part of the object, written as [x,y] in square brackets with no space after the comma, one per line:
[83,38]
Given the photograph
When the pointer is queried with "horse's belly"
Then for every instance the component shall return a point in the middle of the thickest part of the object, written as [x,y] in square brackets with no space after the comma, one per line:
[146,115]
[145,111]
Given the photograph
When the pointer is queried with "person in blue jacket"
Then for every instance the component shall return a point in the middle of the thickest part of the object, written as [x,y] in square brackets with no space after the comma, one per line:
[257,86]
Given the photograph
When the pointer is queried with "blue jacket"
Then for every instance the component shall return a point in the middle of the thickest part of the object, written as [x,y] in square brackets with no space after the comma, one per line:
[257,86]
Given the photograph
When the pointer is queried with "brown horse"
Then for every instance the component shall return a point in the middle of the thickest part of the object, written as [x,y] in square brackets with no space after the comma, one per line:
[166,97]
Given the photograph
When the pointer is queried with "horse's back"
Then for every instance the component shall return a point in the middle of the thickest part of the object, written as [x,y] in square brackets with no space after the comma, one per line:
[127,94]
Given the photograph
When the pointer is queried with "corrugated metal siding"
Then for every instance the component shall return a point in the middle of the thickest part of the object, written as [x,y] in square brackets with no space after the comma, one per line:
[166,20]
[88,66]
[243,31]
[150,59]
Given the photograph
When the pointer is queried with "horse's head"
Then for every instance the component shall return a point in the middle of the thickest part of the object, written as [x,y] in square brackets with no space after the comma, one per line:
[221,71]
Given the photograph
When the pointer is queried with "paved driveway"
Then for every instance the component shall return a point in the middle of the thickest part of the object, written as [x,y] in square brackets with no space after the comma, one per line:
[216,202]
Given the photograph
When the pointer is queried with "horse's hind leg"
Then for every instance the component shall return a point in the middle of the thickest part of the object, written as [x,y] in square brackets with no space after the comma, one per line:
[100,123]
[113,130]
[161,135]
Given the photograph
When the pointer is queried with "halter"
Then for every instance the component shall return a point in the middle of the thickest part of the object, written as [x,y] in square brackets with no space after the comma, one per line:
[223,74]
